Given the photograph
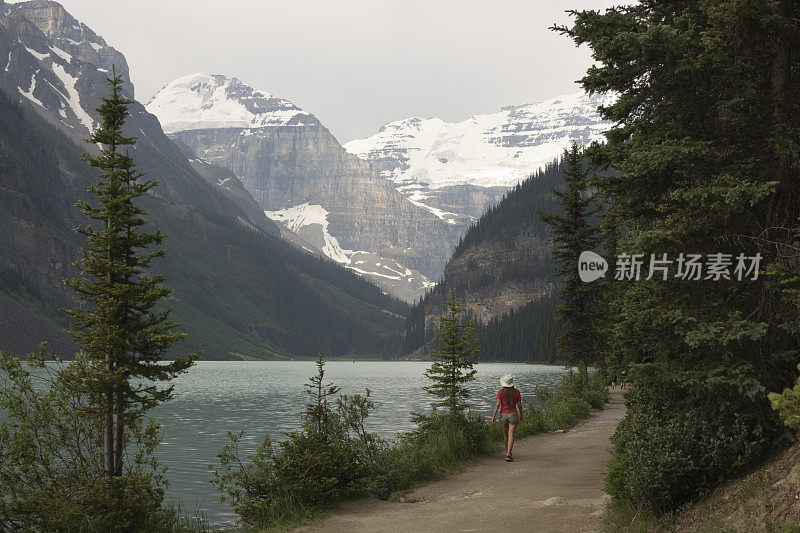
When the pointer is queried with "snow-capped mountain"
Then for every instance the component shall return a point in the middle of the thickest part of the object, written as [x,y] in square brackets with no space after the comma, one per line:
[56,63]
[310,223]
[72,37]
[425,157]
[304,179]
[202,101]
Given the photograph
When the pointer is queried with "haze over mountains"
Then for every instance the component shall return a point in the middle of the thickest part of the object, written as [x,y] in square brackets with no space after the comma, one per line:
[240,291]
[399,231]
[254,193]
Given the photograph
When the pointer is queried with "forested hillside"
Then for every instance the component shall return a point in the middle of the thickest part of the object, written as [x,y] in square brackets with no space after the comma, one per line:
[503,272]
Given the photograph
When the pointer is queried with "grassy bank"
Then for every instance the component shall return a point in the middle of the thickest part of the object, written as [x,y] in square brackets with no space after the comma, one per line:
[333,459]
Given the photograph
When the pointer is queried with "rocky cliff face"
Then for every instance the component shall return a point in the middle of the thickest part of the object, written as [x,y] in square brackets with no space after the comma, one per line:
[308,229]
[36,201]
[229,185]
[287,166]
[294,165]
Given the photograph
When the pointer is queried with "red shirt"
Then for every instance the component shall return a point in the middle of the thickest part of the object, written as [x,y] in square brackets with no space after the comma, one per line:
[509,408]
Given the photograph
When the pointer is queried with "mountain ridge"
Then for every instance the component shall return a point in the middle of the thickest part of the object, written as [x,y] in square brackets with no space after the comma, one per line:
[220,101]
[502,272]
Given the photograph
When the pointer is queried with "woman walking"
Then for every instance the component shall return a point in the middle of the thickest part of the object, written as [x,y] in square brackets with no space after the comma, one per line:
[509,401]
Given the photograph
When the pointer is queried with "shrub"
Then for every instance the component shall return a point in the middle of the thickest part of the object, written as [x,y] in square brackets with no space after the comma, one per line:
[682,436]
[441,444]
[534,421]
[331,459]
[574,385]
[564,412]
[288,482]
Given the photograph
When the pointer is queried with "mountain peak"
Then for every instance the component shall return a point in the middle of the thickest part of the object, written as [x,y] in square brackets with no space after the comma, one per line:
[204,101]
[72,36]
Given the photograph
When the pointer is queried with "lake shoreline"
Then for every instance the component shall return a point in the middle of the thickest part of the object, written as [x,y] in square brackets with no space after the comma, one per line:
[267,397]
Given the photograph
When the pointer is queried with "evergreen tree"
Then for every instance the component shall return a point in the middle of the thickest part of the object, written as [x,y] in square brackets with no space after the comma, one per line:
[122,332]
[573,234]
[706,141]
[454,355]
[318,410]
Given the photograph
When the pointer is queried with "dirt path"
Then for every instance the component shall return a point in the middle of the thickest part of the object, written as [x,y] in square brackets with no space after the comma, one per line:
[554,484]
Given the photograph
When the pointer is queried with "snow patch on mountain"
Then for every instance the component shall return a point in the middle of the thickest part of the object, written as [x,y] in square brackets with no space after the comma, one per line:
[204,101]
[62,54]
[37,55]
[310,222]
[72,96]
[416,198]
[29,93]
[300,216]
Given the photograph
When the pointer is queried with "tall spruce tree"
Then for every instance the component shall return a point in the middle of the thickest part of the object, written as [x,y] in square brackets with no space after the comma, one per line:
[122,332]
[454,354]
[705,140]
[573,233]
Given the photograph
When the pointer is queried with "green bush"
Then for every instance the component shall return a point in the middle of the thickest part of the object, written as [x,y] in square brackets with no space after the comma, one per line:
[564,412]
[682,436]
[51,458]
[441,445]
[573,385]
[534,421]
[310,470]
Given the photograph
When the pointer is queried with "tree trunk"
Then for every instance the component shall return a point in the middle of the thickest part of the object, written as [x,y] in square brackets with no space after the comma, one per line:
[782,205]
[585,374]
[108,437]
[118,442]
[108,443]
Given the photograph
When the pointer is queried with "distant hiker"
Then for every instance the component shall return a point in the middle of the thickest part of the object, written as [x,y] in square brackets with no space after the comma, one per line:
[509,401]
[622,380]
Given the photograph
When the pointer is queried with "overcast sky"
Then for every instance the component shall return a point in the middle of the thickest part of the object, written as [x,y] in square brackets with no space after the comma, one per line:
[355,64]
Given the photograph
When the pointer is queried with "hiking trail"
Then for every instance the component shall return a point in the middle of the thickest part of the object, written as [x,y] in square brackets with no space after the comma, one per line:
[555,483]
